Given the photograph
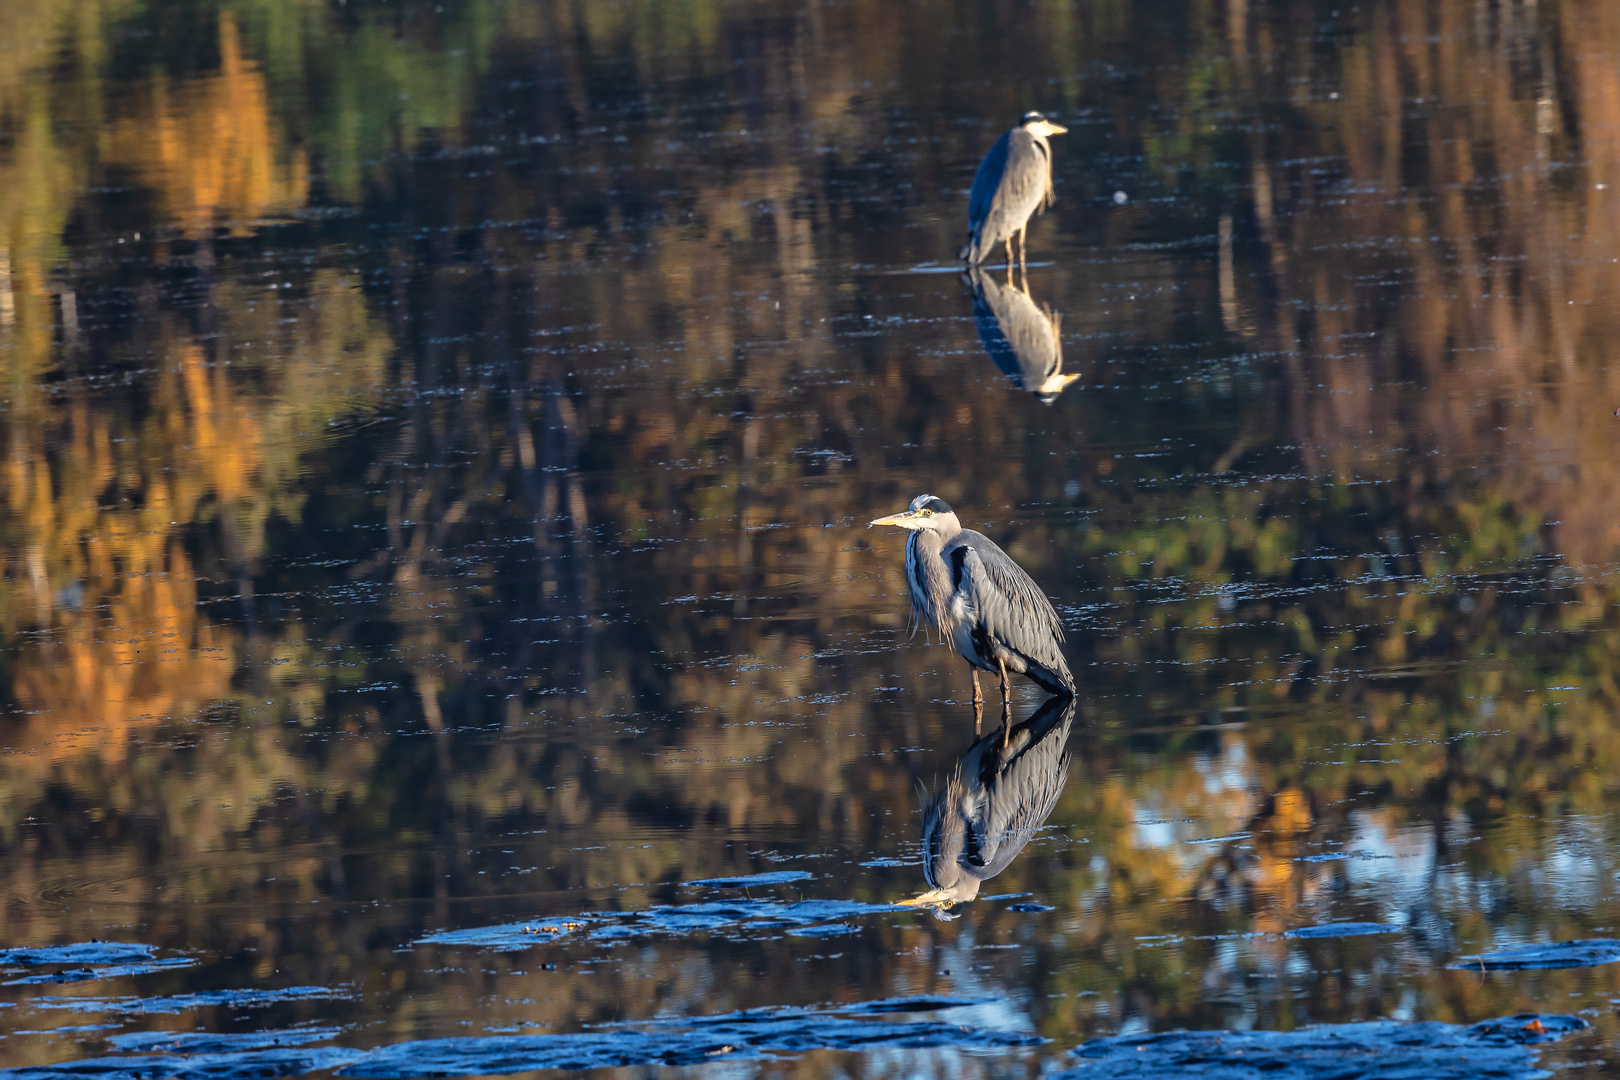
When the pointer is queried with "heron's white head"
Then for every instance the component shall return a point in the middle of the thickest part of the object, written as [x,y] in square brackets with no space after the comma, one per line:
[938,902]
[1037,124]
[1054,385]
[925,513]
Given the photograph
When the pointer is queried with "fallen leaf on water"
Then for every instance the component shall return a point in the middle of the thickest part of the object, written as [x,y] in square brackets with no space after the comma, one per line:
[549,929]
[1535,1027]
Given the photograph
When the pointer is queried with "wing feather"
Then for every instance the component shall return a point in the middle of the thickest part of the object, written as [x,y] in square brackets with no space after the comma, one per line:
[1004,603]
[1009,603]
[1023,792]
[987,180]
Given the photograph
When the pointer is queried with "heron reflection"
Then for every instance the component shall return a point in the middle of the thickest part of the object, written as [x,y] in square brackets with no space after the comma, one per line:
[1021,338]
[1000,793]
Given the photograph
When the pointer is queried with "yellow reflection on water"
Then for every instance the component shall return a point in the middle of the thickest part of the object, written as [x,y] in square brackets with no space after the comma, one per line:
[207,146]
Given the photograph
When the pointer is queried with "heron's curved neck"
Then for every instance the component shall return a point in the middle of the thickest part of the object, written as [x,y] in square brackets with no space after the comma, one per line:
[929,578]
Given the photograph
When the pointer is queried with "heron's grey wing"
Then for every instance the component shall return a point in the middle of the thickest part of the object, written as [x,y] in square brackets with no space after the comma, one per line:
[951,833]
[1023,795]
[936,837]
[988,302]
[986,180]
[1015,811]
[1008,603]
[1030,334]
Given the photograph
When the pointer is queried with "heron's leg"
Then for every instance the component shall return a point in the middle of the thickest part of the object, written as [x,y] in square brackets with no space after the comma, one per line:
[978,701]
[1009,253]
[1023,250]
[1006,724]
[1005,688]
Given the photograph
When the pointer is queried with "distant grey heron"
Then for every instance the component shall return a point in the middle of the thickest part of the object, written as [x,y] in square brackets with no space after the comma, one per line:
[1021,338]
[976,597]
[1000,793]
[1013,182]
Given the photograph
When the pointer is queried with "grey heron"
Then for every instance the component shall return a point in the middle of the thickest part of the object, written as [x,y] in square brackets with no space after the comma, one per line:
[970,591]
[1013,182]
[1022,339]
[1002,790]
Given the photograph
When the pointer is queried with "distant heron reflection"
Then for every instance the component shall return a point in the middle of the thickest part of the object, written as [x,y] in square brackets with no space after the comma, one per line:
[999,795]
[1021,338]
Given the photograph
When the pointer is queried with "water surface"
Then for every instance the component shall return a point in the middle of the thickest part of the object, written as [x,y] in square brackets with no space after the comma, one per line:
[438,620]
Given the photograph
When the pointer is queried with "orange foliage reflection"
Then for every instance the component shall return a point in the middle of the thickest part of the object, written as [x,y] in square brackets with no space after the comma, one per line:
[207,146]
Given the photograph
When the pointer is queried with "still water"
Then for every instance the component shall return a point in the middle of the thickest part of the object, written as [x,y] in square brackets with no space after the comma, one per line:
[437,604]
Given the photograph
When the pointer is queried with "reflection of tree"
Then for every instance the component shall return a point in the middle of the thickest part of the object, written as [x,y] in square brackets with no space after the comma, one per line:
[106,500]
[206,148]
[1493,314]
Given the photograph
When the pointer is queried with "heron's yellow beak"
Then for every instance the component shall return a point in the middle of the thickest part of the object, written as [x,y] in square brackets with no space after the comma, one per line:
[1049,128]
[905,519]
[931,898]
[1056,384]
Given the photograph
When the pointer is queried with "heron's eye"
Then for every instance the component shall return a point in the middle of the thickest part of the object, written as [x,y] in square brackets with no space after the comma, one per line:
[928,513]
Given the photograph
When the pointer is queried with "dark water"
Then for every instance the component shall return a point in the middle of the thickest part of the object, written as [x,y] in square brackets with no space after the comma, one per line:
[437,447]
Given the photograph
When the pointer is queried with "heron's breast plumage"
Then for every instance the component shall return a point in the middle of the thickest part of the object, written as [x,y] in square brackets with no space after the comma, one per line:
[929,582]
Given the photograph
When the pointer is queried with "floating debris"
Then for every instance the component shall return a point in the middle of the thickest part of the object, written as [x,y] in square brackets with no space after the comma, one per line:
[1030,907]
[553,929]
[1587,952]
[1377,1050]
